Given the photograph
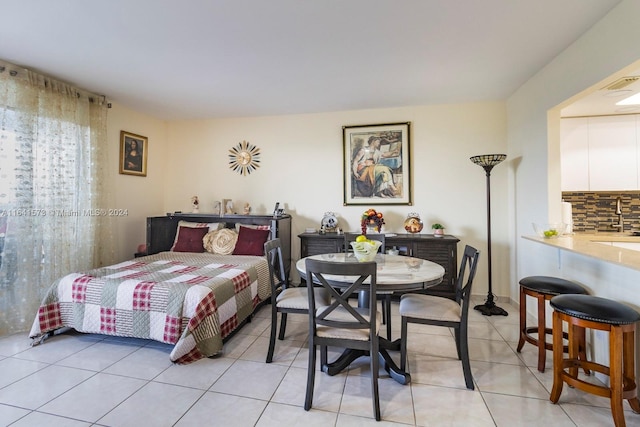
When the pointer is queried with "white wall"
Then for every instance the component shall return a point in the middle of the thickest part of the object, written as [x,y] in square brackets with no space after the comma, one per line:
[140,196]
[301,167]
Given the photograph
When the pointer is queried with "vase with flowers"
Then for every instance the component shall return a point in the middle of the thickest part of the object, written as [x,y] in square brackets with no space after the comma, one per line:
[371,221]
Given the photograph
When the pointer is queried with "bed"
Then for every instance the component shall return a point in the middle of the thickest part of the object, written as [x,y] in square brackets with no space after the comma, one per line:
[193,300]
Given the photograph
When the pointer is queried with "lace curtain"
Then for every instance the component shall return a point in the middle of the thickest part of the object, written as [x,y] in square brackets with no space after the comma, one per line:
[52,157]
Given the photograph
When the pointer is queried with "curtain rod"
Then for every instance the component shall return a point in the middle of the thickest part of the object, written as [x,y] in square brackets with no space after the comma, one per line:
[21,72]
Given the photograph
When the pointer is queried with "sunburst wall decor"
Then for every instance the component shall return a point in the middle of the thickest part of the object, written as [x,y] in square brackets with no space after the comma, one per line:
[244,158]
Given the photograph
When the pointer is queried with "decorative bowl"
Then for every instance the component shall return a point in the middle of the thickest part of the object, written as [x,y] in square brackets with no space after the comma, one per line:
[366,251]
[549,230]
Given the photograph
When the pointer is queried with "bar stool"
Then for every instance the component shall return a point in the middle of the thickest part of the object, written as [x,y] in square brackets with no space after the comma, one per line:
[586,311]
[543,288]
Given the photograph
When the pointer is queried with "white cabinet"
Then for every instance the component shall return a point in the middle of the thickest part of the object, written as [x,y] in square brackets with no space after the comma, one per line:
[600,153]
[574,154]
[613,157]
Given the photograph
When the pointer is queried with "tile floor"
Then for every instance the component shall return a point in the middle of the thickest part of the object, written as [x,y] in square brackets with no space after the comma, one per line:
[81,380]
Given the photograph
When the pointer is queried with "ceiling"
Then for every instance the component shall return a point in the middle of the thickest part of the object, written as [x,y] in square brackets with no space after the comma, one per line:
[229,58]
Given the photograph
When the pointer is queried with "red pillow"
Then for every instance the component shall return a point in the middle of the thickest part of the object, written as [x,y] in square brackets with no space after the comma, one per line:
[251,241]
[190,239]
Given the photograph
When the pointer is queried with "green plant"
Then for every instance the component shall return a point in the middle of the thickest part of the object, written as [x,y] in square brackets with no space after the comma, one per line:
[437,226]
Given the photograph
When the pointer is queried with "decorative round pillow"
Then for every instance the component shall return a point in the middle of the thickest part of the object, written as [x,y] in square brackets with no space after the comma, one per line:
[221,242]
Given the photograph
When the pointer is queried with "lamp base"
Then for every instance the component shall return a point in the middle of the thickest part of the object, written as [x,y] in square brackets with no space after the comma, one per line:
[489,308]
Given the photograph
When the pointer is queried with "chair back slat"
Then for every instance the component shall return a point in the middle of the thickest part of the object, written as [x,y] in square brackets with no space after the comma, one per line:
[466,274]
[277,273]
[339,313]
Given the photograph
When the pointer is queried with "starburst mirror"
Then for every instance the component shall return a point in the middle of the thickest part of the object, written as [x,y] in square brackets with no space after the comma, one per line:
[244,158]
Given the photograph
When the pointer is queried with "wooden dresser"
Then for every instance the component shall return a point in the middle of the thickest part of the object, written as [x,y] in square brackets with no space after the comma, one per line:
[441,250]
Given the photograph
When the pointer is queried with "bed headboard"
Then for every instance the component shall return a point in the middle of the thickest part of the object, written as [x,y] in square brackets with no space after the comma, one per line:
[161,230]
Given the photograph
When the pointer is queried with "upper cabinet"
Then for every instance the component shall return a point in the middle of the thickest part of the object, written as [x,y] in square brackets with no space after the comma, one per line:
[600,153]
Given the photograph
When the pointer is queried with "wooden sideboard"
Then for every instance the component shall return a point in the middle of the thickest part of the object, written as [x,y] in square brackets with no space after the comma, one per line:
[441,250]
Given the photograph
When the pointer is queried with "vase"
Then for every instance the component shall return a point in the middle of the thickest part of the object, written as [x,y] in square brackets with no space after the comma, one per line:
[371,229]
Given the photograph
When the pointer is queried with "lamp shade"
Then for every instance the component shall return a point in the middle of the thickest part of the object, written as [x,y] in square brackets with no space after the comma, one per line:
[488,160]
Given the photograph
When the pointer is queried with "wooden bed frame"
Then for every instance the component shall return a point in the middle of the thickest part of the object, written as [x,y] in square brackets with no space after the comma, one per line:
[161,230]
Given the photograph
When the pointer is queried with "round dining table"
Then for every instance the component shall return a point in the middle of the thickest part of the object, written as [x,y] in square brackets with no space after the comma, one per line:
[395,273]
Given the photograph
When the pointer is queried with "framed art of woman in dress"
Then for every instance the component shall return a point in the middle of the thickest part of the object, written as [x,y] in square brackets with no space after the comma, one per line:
[133,154]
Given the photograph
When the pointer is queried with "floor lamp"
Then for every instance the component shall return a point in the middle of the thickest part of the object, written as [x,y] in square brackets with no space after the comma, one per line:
[487,162]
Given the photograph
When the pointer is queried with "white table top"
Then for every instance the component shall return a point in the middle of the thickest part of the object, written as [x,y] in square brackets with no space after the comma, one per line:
[395,272]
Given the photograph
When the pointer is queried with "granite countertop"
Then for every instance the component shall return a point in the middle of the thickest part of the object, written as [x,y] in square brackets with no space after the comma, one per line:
[587,244]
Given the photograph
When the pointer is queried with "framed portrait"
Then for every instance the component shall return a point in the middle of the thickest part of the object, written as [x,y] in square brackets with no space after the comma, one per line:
[133,154]
[376,164]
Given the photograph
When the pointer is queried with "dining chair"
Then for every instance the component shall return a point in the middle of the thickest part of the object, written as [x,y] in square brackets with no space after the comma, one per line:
[385,298]
[284,299]
[340,324]
[440,311]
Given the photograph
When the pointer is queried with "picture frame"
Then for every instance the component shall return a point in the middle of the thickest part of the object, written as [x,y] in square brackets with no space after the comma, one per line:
[133,154]
[376,164]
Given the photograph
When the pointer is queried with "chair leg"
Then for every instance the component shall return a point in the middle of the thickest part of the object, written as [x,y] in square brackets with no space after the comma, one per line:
[272,337]
[629,368]
[615,374]
[283,326]
[403,344]
[464,356]
[456,336]
[311,376]
[375,369]
[557,359]
[387,308]
[542,333]
[523,319]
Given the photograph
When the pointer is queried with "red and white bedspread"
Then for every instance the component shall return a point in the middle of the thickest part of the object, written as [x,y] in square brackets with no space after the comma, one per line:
[191,300]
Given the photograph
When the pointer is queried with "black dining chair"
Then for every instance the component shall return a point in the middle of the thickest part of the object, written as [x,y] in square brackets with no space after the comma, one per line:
[385,298]
[339,324]
[284,299]
[440,311]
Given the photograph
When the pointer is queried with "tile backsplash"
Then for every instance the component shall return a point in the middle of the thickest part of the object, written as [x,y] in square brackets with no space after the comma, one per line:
[595,210]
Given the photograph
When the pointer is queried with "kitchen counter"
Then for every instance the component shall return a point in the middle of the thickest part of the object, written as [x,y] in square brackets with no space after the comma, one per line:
[601,246]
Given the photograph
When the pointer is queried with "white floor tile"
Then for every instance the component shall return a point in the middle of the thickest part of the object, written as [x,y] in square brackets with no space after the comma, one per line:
[251,379]
[442,406]
[40,419]
[144,363]
[223,410]
[154,404]
[9,414]
[278,415]
[94,398]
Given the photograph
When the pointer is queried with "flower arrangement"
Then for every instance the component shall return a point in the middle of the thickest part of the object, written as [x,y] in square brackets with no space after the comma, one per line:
[371,218]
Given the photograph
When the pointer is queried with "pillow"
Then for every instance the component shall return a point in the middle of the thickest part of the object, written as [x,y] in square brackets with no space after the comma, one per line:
[251,241]
[255,227]
[209,226]
[190,239]
[221,242]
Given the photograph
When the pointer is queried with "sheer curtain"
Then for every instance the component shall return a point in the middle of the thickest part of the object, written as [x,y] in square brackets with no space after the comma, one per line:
[52,189]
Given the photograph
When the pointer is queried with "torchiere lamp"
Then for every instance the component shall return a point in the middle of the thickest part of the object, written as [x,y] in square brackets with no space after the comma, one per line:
[487,162]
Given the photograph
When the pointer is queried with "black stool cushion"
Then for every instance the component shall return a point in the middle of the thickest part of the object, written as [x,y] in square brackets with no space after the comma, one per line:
[551,285]
[597,309]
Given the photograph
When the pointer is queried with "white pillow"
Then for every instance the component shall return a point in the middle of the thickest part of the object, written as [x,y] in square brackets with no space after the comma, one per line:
[221,242]
[210,225]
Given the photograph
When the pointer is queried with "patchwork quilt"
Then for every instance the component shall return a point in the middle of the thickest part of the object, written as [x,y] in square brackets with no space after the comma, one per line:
[190,300]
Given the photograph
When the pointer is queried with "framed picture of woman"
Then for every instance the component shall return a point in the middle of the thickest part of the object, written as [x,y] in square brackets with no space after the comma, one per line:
[376,164]
[133,154]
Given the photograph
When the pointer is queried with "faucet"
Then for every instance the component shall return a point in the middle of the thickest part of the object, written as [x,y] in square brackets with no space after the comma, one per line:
[620,224]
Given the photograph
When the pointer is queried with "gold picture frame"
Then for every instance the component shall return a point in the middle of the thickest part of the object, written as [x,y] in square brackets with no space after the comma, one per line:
[133,154]
[376,164]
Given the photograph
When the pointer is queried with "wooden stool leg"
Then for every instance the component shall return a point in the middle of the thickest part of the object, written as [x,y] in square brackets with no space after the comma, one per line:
[630,368]
[615,374]
[523,318]
[557,358]
[582,347]
[574,333]
[542,335]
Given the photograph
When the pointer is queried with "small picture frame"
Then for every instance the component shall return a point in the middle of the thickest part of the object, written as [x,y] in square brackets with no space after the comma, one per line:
[133,154]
